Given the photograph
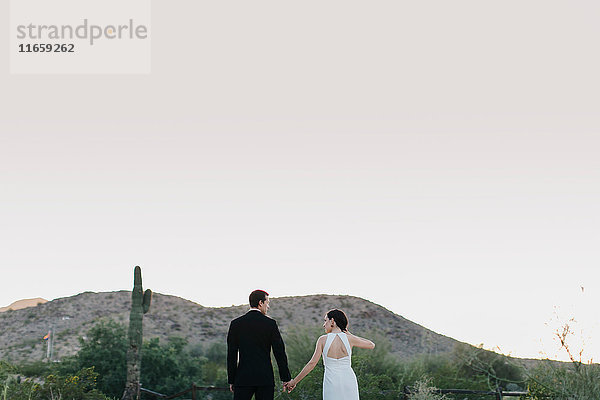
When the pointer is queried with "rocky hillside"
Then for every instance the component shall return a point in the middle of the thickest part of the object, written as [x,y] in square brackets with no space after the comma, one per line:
[22,331]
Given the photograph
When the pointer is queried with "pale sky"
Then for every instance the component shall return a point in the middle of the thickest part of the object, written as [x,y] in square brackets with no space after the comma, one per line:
[437,158]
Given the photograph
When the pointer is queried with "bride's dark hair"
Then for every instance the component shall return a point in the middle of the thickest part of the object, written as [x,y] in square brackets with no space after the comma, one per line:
[340,318]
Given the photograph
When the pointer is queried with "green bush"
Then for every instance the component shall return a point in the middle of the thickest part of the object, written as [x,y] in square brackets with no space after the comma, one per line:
[492,369]
[80,386]
[379,374]
[565,381]
[37,369]
[170,368]
[214,370]
[6,369]
[105,349]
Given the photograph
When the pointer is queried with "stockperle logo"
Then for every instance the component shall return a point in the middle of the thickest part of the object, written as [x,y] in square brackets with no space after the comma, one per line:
[80,36]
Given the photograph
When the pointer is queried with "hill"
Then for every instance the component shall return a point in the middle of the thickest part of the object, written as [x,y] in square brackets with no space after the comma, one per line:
[25,303]
[21,337]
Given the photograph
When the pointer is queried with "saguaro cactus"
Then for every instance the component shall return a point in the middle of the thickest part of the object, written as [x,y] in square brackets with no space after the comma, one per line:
[140,304]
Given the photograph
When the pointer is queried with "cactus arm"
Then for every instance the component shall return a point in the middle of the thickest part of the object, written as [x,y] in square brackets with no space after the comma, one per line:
[147,300]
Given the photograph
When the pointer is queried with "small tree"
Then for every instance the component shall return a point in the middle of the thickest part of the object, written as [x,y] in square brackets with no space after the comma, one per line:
[575,380]
[105,349]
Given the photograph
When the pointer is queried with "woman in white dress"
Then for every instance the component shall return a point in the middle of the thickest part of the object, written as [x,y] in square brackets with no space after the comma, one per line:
[339,381]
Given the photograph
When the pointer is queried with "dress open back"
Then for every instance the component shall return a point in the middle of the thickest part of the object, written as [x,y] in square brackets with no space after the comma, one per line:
[339,381]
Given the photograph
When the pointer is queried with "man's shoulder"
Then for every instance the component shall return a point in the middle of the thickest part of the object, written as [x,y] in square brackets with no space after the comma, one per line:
[254,315]
[237,320]
[251,315]
[261,317]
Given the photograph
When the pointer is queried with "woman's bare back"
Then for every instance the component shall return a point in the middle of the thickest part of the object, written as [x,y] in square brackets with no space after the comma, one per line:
[337,349]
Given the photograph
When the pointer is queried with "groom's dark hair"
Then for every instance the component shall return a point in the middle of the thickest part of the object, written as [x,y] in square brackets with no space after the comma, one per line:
[340,318]
[256,297]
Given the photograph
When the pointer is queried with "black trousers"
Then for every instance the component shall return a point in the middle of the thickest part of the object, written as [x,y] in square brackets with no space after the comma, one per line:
[259,392]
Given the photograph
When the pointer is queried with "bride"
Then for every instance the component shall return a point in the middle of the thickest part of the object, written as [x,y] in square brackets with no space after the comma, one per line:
[339,381]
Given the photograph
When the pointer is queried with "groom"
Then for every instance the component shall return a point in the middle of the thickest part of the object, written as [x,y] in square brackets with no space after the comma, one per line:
[249,342]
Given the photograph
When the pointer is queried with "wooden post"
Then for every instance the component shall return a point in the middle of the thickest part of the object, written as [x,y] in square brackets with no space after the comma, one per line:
[499,393]
[193,391]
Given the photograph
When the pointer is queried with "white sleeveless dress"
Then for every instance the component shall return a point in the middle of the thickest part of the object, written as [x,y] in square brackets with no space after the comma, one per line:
[339,381]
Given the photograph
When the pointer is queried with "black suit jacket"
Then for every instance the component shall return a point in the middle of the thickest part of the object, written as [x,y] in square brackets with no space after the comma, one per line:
[252,336]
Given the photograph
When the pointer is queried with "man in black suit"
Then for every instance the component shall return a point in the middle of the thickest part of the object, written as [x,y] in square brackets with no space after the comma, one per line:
[251,337]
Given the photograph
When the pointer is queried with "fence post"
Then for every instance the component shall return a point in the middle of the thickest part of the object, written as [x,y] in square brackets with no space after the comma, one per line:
[193,391]
[499,393]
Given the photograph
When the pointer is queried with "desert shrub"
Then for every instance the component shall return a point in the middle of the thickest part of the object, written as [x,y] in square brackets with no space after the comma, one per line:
[6,369]
[424,390]
[487,367]
[565,381]
[441,370]
[36,369]
[378,372]
[80,386]
[300,344]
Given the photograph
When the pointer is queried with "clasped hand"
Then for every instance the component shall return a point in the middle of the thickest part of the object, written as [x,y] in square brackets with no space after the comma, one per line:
[289,386]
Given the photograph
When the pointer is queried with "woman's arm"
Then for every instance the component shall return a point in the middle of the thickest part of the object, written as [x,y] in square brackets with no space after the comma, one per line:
[360,342]
[311,364]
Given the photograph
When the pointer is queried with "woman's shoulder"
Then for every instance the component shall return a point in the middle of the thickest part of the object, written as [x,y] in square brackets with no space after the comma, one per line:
[322,339]
[351,337]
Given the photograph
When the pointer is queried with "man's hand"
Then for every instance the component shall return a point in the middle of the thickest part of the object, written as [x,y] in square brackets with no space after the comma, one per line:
[231,387]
